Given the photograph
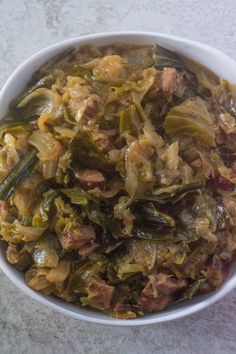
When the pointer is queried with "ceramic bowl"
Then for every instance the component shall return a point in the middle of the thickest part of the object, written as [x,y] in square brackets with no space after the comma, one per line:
[212,58]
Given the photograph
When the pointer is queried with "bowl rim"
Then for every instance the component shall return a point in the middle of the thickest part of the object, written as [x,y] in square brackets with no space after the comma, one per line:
[48,301]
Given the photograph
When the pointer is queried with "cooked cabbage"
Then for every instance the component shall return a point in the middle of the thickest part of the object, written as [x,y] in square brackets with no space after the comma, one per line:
[117,179]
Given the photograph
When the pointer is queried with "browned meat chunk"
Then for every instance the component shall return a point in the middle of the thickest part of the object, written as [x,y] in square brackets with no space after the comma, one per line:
[166,284]
[90,179]
[216,271]
[18,256]
[170,81]
[151,304]
[223,184]
[165,84]
[196,164]
[102,293]
[110,51]
[157,293]
[86,250]
[91,110]
[81,238]
[127,307]
[106,140]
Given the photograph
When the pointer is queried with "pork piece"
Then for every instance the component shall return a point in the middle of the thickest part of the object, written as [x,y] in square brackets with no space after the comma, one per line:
[90,179]
[18,256]
[106,140]
[165,84]
[216,271]
[87,249]
[196,164]
[157,294]
[127,307]
[92,109]
[102,292]
[223,184]
[81,238]
[110,51]
[170,81]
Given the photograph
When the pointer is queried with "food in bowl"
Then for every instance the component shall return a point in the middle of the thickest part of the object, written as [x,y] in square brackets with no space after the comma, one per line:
[117,170]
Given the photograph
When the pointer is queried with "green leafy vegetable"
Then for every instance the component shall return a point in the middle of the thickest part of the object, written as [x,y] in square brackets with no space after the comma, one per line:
[151,214]
[21,170]
[86,153]
[167,58]
[46,81]
[77,195]
[117,179]
[41,215]
[45,251]
[38,102]
[132,118]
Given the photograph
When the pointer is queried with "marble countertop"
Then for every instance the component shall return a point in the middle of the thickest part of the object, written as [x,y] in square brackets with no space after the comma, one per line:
[28,25]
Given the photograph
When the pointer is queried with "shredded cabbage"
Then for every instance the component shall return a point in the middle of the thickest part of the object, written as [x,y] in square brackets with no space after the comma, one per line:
[117,179]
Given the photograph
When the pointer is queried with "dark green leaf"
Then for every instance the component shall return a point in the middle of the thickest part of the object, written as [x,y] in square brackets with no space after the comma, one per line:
[86,153]
[19,172]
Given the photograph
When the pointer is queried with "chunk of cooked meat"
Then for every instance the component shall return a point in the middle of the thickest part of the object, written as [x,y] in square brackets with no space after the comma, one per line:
[110,51]
[101,292]
[151,304]
[196,164]
[170,81]
[216,271]
[127,307]
[18,256]
[90,179]
[157,293]
[106,140]
[87,249]
[223,184]
[92,109]
[165,84]
[78,237]
[166,284]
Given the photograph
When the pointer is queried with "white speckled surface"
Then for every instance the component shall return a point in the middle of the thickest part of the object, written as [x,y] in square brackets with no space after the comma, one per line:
[25,27]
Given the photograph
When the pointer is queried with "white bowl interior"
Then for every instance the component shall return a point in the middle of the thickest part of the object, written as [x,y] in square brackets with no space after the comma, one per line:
[216,61]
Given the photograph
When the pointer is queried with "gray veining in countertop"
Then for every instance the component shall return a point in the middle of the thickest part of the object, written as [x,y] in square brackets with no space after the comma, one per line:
[29,25]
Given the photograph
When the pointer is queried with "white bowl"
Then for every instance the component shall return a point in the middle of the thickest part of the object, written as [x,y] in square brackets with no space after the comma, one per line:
[218,62]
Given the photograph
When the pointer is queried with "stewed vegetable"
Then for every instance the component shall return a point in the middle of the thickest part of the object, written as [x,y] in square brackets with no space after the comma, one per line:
[117,179]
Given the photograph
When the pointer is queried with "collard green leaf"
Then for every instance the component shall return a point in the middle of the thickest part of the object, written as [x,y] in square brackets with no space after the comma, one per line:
[86,153]
[45,81]
[42,213]
[151,214]
[19,172]
[46,251]
[38,102]
[175,193]
[166,58]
